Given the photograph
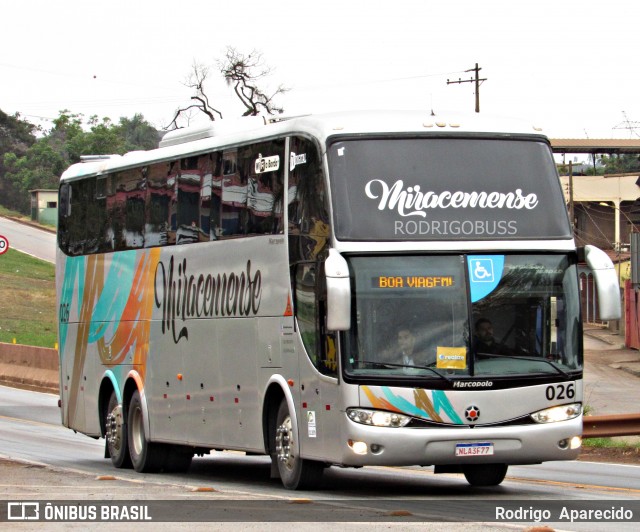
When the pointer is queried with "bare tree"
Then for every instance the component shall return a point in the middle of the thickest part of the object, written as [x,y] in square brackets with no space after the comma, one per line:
[240,71]
[200,101]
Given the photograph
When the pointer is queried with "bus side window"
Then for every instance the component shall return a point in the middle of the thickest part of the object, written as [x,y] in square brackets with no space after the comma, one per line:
[64,210]
[160,195]
[79,236]
[97,214]
[265,187]
[215,203]
[126,210]
[309,225]
[189,189]
[234,196]
[310,305]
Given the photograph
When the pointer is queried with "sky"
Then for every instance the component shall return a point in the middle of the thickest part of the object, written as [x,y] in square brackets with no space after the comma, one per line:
[571,67]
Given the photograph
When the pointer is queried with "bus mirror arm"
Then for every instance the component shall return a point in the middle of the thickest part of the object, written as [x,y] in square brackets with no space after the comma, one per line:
[606,281]
[338,292]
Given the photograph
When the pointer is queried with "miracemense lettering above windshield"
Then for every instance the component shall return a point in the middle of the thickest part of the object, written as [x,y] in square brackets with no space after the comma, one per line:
[439,189]
[411,201]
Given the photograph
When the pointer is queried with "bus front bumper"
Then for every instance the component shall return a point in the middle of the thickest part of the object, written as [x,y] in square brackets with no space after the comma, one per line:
[520,444]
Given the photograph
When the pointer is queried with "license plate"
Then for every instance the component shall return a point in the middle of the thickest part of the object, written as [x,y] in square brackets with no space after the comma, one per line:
[474,449]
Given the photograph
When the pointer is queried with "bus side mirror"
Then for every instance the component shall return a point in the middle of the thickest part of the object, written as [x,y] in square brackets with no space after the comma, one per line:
[606,281]
[336,271]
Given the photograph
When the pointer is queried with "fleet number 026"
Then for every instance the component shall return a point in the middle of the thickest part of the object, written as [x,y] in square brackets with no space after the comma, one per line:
[561,391]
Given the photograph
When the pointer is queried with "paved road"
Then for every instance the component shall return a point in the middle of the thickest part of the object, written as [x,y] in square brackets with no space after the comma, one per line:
[239,487]
[28,239]
[608,388]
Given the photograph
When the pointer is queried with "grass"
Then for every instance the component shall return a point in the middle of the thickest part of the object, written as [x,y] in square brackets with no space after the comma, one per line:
[610,443]
[13,214]
[24,217]
[27,300]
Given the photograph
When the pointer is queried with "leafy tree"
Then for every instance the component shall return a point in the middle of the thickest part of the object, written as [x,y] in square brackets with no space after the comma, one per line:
[137,134]
[16,135]
[620,163]
[41,164]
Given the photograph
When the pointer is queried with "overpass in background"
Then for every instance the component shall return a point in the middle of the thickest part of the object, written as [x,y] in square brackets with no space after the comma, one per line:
[595,146]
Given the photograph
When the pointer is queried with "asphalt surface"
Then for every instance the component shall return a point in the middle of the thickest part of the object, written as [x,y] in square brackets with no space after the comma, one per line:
[611,374]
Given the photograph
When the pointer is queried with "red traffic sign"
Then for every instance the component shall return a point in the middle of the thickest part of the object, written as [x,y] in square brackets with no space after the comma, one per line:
[4,245]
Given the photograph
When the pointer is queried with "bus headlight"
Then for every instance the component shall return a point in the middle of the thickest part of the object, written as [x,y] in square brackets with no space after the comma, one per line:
[377,418]
[557,413]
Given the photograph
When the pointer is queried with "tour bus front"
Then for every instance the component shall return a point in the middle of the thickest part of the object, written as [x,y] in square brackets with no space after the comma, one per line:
[454,282]
[487,346]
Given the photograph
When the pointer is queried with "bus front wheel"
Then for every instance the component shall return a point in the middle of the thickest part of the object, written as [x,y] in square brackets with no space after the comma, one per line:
[295,472]
[115,433]
[485,474]
[146,456]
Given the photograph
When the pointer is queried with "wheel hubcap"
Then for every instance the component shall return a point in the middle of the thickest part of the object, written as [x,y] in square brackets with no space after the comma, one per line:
[114,428]
[284,441]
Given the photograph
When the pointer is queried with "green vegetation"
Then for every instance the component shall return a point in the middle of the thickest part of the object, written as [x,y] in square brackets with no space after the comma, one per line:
[611,443]
[27,300]
[13,214]
[31,158]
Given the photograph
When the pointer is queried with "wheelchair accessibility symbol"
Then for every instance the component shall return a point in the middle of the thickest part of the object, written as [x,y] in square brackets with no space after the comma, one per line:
[482,271]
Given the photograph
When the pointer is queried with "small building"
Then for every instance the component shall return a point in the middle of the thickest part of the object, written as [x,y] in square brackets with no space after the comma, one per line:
[44,206]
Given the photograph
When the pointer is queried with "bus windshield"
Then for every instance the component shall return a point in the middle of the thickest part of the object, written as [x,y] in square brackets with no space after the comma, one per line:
[443,317]
[437,189]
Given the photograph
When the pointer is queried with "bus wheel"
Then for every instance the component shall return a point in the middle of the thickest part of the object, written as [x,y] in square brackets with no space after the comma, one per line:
[116,433]
[146,456]
[295,472]
[485,474]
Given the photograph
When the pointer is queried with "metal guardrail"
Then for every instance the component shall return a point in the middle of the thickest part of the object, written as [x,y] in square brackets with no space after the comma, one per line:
[609,426]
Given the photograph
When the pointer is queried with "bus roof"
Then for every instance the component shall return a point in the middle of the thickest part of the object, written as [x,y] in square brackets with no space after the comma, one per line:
[195,140]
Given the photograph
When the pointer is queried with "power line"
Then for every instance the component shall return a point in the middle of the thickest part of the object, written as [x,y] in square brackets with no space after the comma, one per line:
[632,126]
[475,80]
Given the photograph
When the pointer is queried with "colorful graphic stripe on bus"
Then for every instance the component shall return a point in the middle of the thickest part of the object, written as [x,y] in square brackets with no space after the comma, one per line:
[438,407]
[115,303]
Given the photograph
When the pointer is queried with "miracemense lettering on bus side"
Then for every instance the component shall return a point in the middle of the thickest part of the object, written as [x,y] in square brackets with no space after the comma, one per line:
[185,295]
[413,202]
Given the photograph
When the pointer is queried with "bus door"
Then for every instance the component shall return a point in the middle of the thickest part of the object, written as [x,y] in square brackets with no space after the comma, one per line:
[318,362]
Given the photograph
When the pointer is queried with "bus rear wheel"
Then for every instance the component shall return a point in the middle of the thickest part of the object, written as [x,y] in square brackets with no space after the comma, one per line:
[295,472]
[146,456]
[115,433]
[485,474]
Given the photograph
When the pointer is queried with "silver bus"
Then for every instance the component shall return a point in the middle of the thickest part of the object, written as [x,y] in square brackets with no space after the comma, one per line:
[348,289]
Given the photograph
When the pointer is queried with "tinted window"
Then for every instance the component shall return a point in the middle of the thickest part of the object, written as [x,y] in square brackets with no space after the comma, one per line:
[446,189]
[309,227]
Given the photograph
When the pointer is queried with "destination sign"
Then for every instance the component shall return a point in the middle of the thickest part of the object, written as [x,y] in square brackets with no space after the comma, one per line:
[413,281]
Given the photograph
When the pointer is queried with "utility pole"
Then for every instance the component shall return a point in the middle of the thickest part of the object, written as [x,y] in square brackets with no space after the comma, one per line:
[475,80]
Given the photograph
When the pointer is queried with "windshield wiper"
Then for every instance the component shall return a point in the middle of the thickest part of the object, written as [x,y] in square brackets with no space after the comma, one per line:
[391,365]
[533,359]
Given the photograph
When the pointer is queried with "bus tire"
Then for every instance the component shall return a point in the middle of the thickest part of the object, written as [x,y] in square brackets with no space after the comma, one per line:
[295,472]
[115,433]
[146,456]
[485,474]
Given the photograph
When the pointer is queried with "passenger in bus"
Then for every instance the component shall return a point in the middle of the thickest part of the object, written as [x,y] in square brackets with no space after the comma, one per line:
[485,342]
